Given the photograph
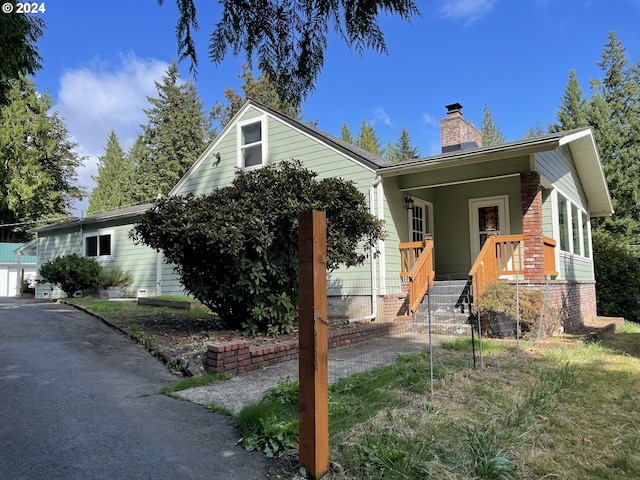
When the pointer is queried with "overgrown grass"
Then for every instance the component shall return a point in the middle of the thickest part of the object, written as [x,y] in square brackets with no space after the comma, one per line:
[565,410]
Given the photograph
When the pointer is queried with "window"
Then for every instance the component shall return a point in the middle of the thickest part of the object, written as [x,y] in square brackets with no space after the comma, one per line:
[563,218]
[586,227]
[576,225]
[97,245]
[251,144]
[573,223]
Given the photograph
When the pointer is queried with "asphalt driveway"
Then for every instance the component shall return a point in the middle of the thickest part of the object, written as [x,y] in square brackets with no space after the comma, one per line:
[80,401]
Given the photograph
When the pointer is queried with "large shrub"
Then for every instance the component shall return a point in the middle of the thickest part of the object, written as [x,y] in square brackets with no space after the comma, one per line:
[71,273]
[498,304]
[236,249]
[617,270]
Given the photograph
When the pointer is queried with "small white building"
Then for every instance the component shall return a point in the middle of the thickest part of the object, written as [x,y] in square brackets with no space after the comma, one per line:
[17,263]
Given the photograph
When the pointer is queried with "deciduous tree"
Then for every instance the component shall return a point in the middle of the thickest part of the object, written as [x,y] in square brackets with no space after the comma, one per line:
[235,249]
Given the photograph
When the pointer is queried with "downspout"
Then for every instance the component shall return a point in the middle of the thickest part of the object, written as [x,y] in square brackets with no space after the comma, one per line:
[374,283]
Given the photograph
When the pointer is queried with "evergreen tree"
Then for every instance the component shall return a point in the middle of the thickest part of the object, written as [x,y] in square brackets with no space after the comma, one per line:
[534,132]
[367,140]
[346,134]
[289,38]
[114,187]
[614,112]
[261,90]
[18,52]
[573,109]
[403,149]
[491,134]
[177,132]
[37,162]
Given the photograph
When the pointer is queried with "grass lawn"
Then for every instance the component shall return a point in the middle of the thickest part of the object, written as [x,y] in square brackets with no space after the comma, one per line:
[563,409]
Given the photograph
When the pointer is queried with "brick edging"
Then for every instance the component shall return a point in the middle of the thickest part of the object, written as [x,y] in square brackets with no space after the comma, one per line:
[239,356]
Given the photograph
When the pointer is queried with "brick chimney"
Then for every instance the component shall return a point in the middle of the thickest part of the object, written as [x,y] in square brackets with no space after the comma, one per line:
[456,132]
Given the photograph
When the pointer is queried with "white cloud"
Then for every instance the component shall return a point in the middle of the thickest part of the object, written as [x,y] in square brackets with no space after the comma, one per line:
[380,116]
[430,120]
[467,11]
[99,98]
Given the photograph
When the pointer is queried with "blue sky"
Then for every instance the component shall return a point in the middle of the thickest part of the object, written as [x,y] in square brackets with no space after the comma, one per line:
[101,59]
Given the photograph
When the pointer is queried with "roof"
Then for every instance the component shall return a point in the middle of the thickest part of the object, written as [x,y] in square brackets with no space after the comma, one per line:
[8,254]
[364,157]
[580,142]
[337,143]
[123,213]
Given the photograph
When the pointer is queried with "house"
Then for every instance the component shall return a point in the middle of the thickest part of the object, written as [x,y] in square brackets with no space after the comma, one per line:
[517,210]
[17,263]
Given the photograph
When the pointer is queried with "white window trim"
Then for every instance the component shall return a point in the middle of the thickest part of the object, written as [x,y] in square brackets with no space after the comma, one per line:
[502,201]
[559,197]
[98,233]
[428,208]
[262,119]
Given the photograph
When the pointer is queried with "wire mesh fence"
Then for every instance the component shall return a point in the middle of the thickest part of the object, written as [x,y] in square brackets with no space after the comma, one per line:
[443,336]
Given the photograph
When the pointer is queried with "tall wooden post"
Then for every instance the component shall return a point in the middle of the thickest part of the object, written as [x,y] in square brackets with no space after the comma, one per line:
[313,375]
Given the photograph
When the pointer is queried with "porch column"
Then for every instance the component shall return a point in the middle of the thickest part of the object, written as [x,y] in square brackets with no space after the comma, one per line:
[531,196]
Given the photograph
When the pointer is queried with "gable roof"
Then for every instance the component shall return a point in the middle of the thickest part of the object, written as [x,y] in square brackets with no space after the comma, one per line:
[356,154]
[123,213]
[580,142]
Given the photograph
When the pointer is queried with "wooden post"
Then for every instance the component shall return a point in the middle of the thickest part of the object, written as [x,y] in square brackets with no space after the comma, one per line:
[313,367]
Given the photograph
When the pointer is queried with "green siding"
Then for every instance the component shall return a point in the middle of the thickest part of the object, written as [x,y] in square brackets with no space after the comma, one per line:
[283,143]
[572,267]
[139,260]
[558,168]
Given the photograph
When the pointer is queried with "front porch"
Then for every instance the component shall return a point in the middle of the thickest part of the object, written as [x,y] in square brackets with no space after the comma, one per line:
[501,258]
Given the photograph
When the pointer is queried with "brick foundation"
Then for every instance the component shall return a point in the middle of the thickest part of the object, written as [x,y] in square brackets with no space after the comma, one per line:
[573,302]
[239,356]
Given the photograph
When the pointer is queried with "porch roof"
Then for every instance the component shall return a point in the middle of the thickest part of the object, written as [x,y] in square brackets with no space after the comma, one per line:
[580,142]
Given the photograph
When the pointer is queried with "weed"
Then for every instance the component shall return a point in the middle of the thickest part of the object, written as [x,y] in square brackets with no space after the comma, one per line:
[191,382]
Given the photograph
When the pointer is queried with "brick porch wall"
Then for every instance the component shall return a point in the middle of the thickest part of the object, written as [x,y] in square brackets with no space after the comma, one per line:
[573,302]
[241,356]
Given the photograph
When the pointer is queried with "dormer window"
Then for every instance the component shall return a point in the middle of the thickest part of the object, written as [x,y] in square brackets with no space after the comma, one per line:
[252,143]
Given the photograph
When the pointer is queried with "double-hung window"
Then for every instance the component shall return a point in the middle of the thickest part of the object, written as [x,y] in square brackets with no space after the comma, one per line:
[97,245]
[252,143]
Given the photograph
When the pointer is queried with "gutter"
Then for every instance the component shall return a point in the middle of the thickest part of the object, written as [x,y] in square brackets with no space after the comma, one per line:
[374,283]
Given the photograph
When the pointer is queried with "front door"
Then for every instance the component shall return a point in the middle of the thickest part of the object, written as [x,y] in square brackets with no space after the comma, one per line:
[489,215]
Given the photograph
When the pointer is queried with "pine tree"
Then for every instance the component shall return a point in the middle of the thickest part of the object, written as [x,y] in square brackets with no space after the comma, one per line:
[114,187]
[177,132]
[573,110]
[534,132]
[18,51]
[367,140]
[402,150]
[289,39]
[491,134]
[346,134]
[614,112]
[38,163]
[261,90]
